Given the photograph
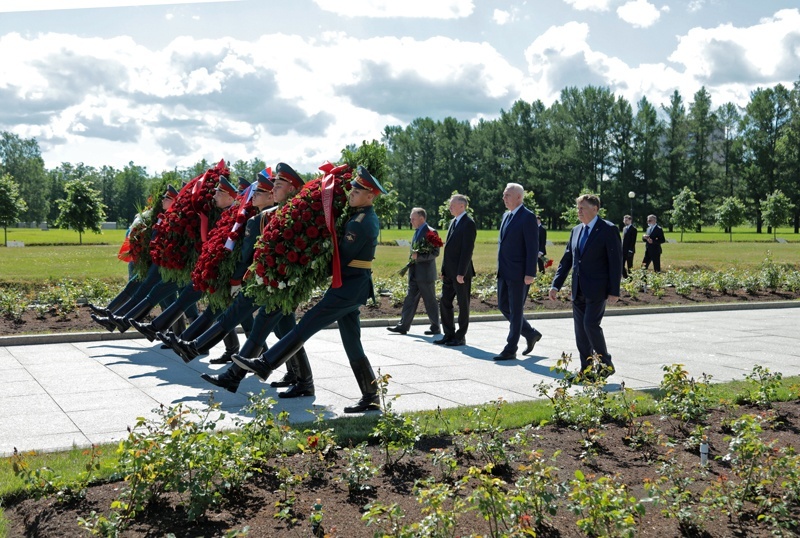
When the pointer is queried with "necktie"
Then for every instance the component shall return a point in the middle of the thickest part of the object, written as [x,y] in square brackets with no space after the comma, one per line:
[582,239]
[505,225]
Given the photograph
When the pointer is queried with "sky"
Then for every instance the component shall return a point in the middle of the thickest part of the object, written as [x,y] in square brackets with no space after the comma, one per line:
[164,85]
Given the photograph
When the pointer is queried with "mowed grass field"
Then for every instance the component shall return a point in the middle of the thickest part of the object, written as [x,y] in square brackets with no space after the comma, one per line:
[34,263]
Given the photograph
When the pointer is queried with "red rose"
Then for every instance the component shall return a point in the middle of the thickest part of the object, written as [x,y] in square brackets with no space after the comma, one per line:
[270,261]
[280,249]
[312,232]
[303,205]
[273,283]
[320,220]
[282,269]
[306,216]
[316,195]
[288,234]
[300,243]
[295,214]
[316,206]
[292,256]
[297,227]
[315,249]
[304,259]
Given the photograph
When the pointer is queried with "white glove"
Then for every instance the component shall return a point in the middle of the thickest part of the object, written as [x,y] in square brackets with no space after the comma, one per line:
[235,290]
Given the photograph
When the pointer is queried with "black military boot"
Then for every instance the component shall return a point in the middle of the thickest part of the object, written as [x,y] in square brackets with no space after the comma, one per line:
[99,310]
[228,380]
[138,313]
[147,330]
[106,323]
[231,346]
[272,359]
[365,377]
[305,378]
[189,350]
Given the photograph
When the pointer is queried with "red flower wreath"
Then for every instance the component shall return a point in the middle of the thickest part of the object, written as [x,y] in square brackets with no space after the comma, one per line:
[139,241]
[214,269]
[293,255]
[180,234]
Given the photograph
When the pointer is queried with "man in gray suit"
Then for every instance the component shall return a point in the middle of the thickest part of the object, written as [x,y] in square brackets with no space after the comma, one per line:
[421,277]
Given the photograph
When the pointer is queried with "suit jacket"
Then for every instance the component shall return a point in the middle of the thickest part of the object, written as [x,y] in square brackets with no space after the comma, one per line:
[657,236]
[598,268]
[424,268]
[542,239]
[457,257]
[628,240]
[518,246]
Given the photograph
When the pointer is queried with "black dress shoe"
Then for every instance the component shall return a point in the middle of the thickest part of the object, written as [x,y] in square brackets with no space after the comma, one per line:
[146,329]
[506,357]
[456,342]
[100,311]
[106,323]
[257,366]
[442,341]
[532,342]
[432,332]
[224,380]
[287,380]
[366,403]
[185,350]
[165,338]
[298,391]
[397,329]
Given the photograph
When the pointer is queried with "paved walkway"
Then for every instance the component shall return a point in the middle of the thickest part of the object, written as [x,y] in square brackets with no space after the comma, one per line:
[56,395]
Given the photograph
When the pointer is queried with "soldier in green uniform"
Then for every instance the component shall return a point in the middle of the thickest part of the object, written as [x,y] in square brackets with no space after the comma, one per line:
[356,252]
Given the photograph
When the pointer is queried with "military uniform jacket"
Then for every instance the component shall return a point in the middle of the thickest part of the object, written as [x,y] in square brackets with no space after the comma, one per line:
[252,232]
[356,251]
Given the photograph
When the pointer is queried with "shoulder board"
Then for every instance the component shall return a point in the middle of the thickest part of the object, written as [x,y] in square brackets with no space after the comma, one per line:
[270,209]
[359,217]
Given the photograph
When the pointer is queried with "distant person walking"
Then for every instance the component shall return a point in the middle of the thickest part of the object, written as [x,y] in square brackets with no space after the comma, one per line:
[593,255]
[542,244]
[653,238]
[628,245]
[421,275]
[517,252]
[457,272]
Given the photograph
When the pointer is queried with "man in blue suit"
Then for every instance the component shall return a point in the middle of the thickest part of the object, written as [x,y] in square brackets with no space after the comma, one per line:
[594,254]
[517,256]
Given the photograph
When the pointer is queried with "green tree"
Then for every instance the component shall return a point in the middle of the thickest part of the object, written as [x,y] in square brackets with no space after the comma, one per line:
[675,149]
[776,210]
[82,209]
[11,205]
[372,156]
[730,213]
[702,125]
[648,130]
[685,211]
[730,146]
[22,160]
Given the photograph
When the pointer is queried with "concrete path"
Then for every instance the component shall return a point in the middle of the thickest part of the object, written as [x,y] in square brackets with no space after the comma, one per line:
[58,395]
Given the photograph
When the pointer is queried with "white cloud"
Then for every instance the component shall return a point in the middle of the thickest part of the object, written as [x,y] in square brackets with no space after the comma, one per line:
[501,17]
[424,9]
[639,13]
[756,53]
[589,5]
[298,99]
[9,6]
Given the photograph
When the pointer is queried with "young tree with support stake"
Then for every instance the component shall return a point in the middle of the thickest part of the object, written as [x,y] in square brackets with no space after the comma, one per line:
[685,211]
[82,209]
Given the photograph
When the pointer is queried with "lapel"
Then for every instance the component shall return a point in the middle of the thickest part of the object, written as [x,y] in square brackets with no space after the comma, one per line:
[451,231]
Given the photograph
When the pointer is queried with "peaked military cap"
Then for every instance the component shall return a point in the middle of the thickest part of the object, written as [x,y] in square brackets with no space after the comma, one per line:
[170,193]
[264,181]
[225,186]
[365,180]
[243,183]
[285,172]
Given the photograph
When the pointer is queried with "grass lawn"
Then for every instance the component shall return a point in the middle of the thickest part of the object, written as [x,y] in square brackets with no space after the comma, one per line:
[55,236]
[37,263]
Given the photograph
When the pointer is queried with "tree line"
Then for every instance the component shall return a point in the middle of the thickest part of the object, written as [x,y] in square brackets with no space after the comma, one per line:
[589,140]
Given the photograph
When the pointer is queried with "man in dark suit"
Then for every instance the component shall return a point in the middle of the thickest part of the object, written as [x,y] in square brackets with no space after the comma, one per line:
[457,272]
[593,254]
[628,245]
[542,243]
[421,278]
[516,268]
[653,238]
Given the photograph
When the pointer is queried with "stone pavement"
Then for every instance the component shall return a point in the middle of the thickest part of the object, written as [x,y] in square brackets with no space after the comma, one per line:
[84,389]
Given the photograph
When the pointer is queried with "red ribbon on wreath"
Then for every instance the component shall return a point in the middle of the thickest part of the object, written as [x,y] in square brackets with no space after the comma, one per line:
[330,221]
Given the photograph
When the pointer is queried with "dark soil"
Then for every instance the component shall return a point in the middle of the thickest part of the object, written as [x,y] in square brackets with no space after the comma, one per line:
[254,505]
[80,320]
